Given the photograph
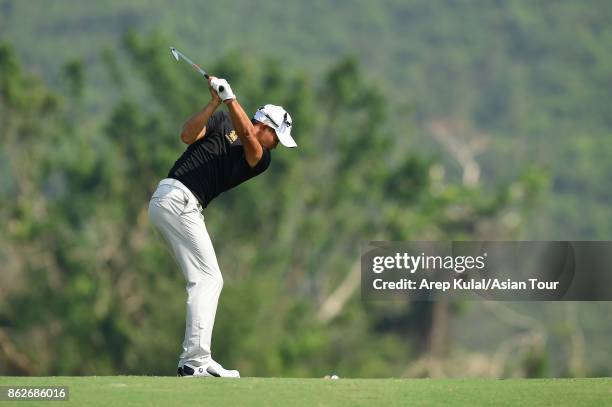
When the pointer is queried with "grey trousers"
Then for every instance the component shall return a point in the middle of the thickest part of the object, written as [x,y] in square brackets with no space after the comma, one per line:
[177,215]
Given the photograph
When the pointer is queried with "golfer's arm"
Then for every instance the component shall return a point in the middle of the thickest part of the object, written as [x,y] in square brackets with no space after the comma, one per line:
[195,127]
[246,131]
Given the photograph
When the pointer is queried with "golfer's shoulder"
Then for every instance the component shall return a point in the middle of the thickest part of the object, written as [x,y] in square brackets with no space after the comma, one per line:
[264,161]
[219,119]
[223,116]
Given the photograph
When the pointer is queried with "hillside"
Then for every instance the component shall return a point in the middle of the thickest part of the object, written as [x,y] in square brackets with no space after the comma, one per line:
[527,82]
[454,120]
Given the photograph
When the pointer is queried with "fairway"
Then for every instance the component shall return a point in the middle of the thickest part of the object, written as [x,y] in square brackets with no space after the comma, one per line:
[164,391]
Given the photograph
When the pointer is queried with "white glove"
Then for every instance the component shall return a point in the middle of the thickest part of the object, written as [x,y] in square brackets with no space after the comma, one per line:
[226,91]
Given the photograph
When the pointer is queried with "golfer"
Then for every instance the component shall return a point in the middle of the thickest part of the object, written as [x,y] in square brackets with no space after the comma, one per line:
[224,151]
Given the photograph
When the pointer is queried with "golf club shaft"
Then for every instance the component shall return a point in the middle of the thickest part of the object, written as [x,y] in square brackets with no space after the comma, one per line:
[178,54]
[186,59]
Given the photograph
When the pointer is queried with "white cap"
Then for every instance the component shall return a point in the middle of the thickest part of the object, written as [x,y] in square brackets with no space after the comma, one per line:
[277,118]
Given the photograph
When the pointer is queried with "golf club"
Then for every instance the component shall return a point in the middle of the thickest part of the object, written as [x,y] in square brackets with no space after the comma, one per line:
[179,55]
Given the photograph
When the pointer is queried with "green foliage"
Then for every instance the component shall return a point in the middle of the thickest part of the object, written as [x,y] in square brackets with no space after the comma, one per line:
[96,292]
[533,76]
[79,160]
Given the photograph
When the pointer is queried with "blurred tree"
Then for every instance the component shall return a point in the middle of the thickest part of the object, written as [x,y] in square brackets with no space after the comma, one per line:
[92,289]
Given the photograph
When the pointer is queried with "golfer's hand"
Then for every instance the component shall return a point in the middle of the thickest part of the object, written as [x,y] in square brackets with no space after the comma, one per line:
[214,97]
[226,94]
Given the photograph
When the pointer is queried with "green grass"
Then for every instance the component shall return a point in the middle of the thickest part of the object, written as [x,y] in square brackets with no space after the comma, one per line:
[167,391]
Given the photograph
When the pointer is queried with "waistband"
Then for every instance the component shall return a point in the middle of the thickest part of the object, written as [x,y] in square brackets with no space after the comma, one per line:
[176,183]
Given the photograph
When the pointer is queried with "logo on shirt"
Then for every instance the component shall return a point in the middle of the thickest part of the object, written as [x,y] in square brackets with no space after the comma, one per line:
[232,136]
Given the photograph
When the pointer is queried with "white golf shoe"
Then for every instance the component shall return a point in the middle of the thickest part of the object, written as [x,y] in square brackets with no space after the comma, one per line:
[212,369]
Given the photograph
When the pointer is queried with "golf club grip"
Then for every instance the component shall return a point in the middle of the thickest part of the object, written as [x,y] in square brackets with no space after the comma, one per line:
[221,88]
